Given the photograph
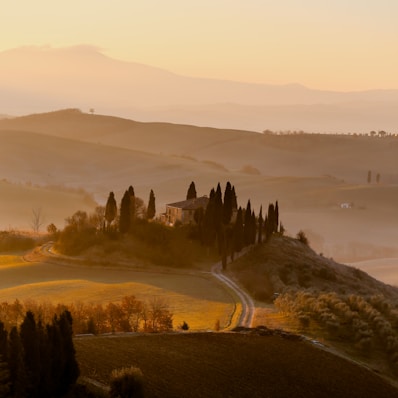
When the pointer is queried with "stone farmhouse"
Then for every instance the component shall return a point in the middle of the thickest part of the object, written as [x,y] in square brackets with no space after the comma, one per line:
[184,211]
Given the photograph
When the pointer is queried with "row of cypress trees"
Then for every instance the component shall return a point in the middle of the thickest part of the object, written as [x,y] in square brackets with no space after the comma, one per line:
[129,206]
[38,360]
[230,228]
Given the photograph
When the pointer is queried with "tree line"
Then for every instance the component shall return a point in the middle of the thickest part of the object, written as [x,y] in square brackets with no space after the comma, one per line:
[231,228]
[221,226]
[128,315]
[131,209]
[37,359]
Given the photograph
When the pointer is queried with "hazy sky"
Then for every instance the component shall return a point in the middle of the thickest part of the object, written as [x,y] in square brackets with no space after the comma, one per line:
[332,44]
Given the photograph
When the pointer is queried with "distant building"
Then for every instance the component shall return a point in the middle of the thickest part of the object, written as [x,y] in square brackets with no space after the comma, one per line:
[184,211]
[346,205]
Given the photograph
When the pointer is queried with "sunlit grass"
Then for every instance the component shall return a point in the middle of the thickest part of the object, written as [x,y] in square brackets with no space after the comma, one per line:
[10,260]
[193,299]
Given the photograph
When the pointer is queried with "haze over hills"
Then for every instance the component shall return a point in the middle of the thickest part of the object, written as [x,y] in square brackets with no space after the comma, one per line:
[310,175]
[38,79]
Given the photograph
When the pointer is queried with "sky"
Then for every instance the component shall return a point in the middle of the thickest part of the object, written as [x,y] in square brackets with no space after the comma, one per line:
[323,44]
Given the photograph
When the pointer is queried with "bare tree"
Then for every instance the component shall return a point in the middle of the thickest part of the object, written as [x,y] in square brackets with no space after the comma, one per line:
[159,316]
[37,219]
[97,218]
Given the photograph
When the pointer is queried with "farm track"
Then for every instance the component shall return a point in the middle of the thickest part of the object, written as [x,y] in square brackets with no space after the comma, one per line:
[248,308]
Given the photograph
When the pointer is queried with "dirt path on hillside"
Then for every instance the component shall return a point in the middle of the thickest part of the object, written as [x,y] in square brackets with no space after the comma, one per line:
[248,307]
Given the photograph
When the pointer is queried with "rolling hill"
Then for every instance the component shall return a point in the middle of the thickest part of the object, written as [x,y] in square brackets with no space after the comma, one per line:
[310,175]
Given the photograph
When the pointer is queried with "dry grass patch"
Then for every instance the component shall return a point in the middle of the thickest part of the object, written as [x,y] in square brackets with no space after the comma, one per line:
[10,261]
[196,299]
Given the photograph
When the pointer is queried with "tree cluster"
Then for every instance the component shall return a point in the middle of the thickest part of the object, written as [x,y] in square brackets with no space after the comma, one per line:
[14,241]
[221,226]
[369,178]
[85,230]
[128,315]
[131,208]
[38,360]
[230,228]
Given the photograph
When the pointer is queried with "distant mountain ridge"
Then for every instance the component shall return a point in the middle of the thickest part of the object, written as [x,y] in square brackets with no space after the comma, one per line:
[38,79]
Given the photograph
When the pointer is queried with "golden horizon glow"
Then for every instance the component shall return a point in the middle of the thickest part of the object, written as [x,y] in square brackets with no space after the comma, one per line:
[335,46]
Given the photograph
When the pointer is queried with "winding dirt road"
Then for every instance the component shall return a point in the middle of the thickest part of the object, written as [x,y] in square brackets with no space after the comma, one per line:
[248,308]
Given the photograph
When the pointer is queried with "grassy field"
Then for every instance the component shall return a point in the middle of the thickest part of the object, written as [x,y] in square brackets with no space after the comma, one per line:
[229,365]
[195,298]
[10,260]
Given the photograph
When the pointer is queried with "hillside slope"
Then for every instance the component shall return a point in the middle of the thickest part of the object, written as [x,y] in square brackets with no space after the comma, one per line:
[319,297]
[341,156]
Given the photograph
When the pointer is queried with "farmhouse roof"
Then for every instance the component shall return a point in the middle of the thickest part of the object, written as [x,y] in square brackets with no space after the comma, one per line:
[191,204]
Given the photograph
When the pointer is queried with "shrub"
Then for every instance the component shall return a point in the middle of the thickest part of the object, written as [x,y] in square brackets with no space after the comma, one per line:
[14,241]
[126,383]
[327,274]
[304,320]
[302,237]
[184,326]
[217,326]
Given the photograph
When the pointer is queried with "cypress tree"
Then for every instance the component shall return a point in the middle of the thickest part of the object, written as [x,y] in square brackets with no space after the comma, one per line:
[110,209]
[125,213]
[234,200]
[222,245]
[132,205]
[199,216]
[209,220]
[191,193]
[3,342]
[247,228]
[5,381]
[56,358]
[265,228]
[218,206]
[229,241]
[44,387]
[228,202]
[238,232]
[31,354]
[270,226]
[16,365]
[253,228]
[276,224]
[70,367]
[260,226]
[151,210]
